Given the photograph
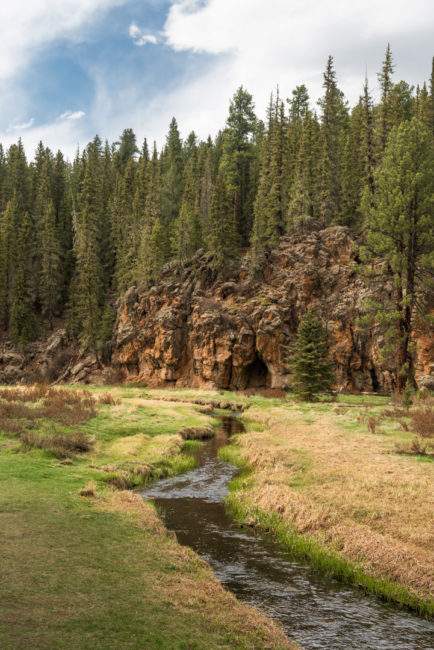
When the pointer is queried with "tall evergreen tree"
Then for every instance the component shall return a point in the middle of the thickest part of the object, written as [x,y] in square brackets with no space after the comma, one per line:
[50,284]
[224,236]
[298,106]
[206,190]
[269,209]
[305,196]
[188,233]
[9,223]
[172,185]
[23,324]
[400,238]
[431,97]
[87,226]
[153,241]
[237,155]
[385,117]
[333,129]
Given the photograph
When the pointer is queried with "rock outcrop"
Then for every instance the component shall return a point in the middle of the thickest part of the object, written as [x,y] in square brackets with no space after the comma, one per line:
[39,361]
[193,330]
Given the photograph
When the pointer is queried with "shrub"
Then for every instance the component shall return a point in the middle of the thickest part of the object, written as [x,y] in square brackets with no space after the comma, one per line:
[60,445]
[89,490]
[407,395]
[107,398]
[422,422]
[416,448]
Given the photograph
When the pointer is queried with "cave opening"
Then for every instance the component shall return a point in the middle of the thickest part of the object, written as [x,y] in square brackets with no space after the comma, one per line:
[257,375]
[374,380]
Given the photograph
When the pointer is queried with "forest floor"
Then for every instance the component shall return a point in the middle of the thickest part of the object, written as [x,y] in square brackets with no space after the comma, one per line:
[85,563]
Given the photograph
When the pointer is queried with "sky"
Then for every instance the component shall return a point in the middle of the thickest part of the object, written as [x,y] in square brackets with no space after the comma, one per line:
[72,68]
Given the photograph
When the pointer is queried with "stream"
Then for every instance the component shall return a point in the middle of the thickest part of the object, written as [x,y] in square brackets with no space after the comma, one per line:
[315,610]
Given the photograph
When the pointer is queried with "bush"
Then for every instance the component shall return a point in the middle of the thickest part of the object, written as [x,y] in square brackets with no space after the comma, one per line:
[422,422]
[415,448]
[60,445]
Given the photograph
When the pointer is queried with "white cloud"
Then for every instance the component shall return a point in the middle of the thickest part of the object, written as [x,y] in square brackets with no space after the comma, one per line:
[20,127]
[69,115]
[29,25]
[287,42]
[139,37]
[257,43]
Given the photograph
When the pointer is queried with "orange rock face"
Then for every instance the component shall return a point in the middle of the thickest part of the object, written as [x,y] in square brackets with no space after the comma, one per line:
[193,330]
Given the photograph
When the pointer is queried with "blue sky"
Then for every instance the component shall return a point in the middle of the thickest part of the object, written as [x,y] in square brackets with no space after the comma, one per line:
[73,68]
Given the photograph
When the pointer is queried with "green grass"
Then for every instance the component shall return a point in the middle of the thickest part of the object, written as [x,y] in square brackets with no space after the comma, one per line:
[94,573]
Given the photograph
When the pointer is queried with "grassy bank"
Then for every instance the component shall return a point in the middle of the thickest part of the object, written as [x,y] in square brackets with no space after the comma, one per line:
[85,564]
[346,486]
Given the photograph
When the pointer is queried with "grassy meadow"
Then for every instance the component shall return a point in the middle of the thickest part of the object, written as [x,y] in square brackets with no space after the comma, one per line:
[85,562]
[347,485]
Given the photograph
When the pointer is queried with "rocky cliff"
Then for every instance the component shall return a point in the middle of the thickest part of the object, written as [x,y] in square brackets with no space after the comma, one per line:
[193,330]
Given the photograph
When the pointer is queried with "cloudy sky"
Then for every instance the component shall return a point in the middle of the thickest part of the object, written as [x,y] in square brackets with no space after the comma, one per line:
[73,68]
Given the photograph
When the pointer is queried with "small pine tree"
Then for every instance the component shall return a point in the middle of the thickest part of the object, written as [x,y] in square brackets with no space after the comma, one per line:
[311,365]
[407,395]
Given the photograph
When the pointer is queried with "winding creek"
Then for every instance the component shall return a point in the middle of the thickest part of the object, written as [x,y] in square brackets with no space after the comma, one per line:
[314,610]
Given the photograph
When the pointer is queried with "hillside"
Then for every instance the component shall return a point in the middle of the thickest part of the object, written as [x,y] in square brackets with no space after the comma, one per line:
[194,329]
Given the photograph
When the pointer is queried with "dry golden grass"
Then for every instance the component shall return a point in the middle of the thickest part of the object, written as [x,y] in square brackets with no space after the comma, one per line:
[348,490]
[130,445]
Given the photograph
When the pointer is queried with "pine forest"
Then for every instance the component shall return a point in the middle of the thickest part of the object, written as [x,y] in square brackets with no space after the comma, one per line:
[75,235]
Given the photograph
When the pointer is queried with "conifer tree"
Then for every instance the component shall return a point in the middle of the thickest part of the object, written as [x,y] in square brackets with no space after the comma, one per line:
[431,97]
[353,177]
[3,172]
[400,238]
[8,254]
[298,106]
[305,195]
[206,190]
[187,232]
[237,156]
[127,146]
[385,118]
[17,177]
[333,127]
[123,232]
[367,150]
[422,106]
[23,324]
[172,185]
[224,236]
[63,219]
[51,275]
[87,244]
[311,365]
[402,103]
[269,209]
[150,258]
[276,199]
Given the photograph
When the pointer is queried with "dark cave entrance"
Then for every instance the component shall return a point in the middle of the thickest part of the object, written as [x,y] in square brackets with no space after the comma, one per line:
[257,375]
[374,380]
